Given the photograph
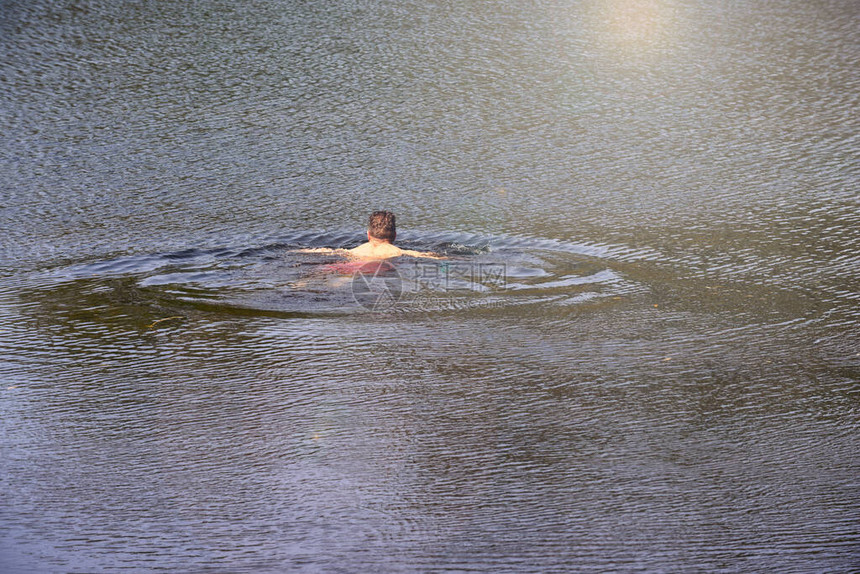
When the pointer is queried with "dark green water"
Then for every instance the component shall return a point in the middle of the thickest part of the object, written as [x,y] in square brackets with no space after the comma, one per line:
[642,353]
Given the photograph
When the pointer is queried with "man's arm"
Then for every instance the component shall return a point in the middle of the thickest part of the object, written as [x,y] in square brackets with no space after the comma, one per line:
[319,250]
[424,254]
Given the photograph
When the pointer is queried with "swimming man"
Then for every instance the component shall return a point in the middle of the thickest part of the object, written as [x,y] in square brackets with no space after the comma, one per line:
[381,233]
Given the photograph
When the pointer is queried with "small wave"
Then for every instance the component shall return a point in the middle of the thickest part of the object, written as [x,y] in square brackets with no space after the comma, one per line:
[271,274]
[604,276]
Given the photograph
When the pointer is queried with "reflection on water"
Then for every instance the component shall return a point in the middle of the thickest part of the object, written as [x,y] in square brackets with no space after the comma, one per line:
[640,353]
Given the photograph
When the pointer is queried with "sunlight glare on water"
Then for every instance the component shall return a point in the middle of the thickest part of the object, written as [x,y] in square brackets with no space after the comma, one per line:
[628,28]
[639,353]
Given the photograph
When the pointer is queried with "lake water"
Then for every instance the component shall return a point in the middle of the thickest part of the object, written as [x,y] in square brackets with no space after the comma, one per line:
[641,354]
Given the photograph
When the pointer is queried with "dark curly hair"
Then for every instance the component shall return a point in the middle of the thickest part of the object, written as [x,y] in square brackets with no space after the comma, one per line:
[382,226]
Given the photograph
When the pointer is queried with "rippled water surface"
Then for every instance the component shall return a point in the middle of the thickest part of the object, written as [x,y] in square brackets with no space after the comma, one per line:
[640,352]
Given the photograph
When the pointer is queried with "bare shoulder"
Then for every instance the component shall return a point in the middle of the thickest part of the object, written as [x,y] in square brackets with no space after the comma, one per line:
[362,251]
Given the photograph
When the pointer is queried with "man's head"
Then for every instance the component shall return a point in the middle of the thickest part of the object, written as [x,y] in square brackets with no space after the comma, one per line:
[382,226]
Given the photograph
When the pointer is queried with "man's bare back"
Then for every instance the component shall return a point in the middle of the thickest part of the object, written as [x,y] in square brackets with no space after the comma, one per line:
[375,249]
[372,252]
